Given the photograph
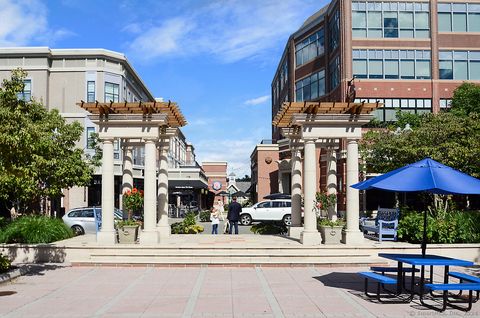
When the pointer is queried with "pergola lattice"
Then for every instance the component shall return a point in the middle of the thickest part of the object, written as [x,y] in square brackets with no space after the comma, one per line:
[284,116]
[175,117]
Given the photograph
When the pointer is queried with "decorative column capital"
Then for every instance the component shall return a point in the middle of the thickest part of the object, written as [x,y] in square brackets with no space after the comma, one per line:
[107,140]
[150,140]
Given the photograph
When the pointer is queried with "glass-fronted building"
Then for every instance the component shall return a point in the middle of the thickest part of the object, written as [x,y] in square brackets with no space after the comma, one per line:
[407,55]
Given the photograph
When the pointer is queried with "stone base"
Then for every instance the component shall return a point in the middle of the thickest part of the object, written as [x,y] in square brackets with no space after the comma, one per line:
[106,237]
[310,238]
[164,231]
[149,237]
[353,237]
[295,231]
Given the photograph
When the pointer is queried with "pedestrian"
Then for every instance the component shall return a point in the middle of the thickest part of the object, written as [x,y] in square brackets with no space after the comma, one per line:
[234,210]
[215,220]
[221,210]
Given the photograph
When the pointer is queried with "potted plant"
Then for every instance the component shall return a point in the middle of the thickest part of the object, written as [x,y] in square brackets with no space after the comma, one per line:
[128,229]
[325,201]
[330,230]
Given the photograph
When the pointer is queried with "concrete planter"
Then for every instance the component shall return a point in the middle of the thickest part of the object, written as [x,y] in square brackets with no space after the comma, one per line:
[128,234]
[331,234]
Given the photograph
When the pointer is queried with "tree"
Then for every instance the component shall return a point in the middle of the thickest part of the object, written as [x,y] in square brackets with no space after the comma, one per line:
[466,99]
[38,155]
[246,178]
[450,139]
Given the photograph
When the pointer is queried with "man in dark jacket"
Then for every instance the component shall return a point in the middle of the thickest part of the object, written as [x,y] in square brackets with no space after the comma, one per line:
[234,210]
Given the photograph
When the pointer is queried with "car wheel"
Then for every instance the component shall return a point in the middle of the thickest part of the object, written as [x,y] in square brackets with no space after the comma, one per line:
[245,219]
[78,230]
[287,220]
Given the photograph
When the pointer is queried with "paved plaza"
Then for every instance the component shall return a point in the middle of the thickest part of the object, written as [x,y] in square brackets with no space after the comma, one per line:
[54,291]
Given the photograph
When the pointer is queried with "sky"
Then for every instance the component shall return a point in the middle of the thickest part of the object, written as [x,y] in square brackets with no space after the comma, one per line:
[216,59]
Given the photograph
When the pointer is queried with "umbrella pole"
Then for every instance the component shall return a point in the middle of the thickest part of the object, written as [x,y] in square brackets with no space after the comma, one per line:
[424,240]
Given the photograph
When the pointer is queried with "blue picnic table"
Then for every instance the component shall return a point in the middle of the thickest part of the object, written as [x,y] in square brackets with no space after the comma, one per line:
[422,261]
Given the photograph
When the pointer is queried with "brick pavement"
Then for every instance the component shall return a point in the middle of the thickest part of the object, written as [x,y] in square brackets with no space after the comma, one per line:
[53,291]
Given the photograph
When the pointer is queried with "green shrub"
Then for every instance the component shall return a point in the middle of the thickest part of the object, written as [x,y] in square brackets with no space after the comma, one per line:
[269,228]
[3,222]
[449,227]
[5,263]
[328,222]
[35,229]
[188,226]
[204,216]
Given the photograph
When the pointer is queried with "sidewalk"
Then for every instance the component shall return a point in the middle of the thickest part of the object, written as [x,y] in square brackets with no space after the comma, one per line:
[54,291]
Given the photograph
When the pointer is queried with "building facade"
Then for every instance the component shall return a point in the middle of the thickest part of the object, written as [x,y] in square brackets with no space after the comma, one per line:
[407,55]
[61,78]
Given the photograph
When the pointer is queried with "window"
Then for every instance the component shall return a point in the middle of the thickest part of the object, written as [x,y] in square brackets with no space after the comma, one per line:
[459,65]
[111,92]
[311,87]
[459,17]
[277,204]
[310,48]
[445,104]
[334,72]
[392,64]
[90,91]
[264,205]
[334,30]
[390,19]
[90,137]
[390,106]
[26,94]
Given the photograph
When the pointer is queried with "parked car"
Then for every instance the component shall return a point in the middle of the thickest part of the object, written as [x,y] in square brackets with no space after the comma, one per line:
[82,220]
[271,210]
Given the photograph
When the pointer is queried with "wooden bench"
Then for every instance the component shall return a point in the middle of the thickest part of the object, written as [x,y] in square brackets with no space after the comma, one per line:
[384,226]
[470,287]
[381,281]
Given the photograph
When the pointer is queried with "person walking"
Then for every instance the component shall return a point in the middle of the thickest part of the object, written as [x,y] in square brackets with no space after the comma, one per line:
[234,210]
[215,220]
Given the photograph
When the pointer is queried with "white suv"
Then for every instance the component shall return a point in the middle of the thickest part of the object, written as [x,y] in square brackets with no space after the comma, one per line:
[275,210]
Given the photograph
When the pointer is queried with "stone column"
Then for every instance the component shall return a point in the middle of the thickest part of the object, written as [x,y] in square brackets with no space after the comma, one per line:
[310,234]
[106,235]
[332,180]
[149,235]
[127,177]
[296,191]
[163,227]
[353,235]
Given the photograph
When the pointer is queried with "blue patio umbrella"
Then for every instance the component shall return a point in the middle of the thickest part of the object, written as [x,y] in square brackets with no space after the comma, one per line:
[425,175]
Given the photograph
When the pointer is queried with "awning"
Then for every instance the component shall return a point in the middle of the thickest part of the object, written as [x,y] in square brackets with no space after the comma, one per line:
[186,184]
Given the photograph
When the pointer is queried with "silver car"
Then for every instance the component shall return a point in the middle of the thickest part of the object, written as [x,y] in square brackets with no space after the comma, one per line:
[82,220]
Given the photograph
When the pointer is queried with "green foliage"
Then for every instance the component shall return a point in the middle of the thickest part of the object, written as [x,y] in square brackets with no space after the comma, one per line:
[269,228]
[330,223]
[449,139]
[3,222]
[404,118]
[121,224]
[446,227]
[5,263]
[38,153]
[187,226]
[466,99]
[204,216]
[35,229]
[325,200]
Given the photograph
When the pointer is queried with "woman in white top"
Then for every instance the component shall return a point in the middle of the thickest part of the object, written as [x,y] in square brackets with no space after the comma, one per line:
[215,220]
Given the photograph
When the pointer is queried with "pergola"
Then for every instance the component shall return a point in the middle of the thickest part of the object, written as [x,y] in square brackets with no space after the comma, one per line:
[306,125]
[148,124]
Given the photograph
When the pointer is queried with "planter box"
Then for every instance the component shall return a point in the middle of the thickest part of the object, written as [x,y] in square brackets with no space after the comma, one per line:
[331,234]
[128,234]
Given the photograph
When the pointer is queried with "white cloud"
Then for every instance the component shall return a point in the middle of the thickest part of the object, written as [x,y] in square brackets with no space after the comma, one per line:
[25,21]
[161,40]
[231,30]
[258,100]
